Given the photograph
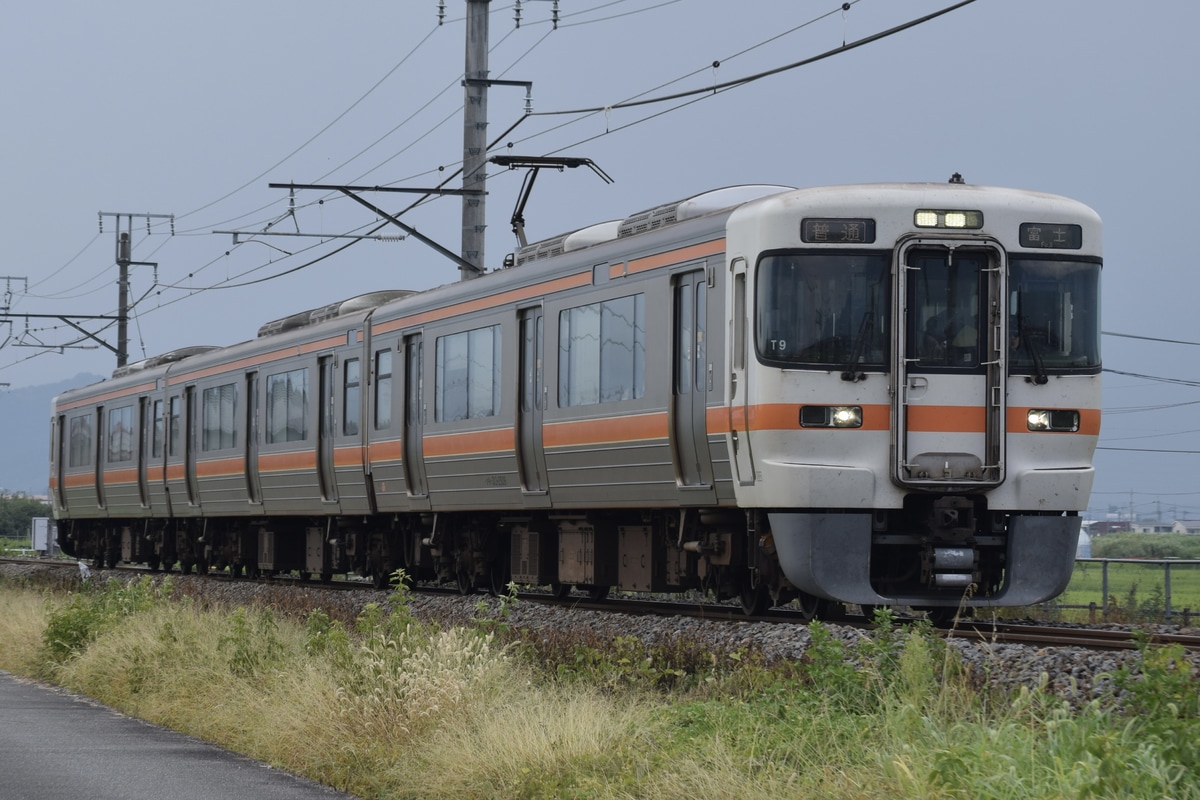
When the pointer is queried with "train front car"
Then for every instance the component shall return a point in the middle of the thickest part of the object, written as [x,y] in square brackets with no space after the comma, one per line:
[916,389]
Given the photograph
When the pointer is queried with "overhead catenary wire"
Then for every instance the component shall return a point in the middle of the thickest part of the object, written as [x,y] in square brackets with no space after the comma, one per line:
[692,95]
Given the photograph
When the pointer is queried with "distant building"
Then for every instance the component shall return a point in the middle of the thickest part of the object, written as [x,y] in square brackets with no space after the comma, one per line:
[1108,526]
[1186,526]
[1153,527]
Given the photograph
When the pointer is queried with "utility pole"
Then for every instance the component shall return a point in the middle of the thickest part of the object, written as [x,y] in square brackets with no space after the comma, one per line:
[475,88]
[124,261]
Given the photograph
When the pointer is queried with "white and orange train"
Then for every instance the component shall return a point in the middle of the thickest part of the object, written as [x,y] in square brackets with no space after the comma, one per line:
[873,394]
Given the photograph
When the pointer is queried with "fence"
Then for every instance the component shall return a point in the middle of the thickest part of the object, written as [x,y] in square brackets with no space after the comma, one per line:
[1115,589]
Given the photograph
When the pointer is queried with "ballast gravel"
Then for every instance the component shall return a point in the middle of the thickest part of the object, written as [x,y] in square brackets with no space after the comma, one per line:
[1075,674]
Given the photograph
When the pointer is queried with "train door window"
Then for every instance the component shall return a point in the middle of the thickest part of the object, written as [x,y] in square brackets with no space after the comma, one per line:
[287,406]
[739,321]
[383,390]
[120,434]
[351,397]
[174,426]
[414,382]
[218,429]
[80,452]
[944,304]
[156,434]
[531,363]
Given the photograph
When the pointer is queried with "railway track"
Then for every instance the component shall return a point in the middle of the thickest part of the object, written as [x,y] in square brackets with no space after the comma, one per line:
[972,630]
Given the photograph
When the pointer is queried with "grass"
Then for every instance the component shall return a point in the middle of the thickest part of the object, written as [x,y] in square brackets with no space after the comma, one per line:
[1135,591]
[385,706]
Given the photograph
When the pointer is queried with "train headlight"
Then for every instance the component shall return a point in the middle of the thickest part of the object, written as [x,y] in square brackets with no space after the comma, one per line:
[831,416]
[1052,420]
[942,218]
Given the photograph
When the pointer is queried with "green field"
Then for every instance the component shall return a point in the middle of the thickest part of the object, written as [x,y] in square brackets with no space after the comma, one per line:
[1136,591]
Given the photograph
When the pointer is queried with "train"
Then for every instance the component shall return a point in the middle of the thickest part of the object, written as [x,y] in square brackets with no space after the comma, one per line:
[864,395]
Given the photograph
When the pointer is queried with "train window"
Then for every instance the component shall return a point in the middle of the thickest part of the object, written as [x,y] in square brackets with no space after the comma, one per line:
[120,434]
[467,379]
[80,453]
[156,435]
[351,398]
[825,309]
[218,429]
[602,352]
[383,390]
[173,426]
[287,406]
[1054,315]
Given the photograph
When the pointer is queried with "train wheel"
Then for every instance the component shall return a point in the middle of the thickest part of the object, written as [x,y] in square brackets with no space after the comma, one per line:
[869,612]
[812,607]
[499,577]
[560,590]
[755,599]
[466,581]
[597,593]
[380,578]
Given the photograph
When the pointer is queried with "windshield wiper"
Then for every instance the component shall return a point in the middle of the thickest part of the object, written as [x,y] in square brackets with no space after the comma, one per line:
[864,329]
[1029,343]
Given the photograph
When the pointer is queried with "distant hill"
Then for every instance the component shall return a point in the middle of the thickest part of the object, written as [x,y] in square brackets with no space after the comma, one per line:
[25,451]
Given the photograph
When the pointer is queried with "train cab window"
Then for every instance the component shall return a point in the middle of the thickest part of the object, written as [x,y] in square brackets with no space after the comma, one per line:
[1054,316]
[351,397]
[383,390]
[80,451]
[823,309]
[219,427]
[120,435]
[287,406]
[467,376]
[602,352]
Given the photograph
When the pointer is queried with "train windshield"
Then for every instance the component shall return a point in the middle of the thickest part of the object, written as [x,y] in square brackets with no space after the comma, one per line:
[1054,316]
[824,309]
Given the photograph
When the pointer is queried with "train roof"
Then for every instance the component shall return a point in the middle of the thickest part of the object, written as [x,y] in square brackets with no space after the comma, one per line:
[674,221]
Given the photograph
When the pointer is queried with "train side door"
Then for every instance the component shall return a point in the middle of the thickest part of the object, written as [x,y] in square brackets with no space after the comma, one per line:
[414,418]
[100,455]
[189,445]
[253,478]
[58,460]
[689,402]
[530,405]
[326,427]
[146,428]
[949,414]
[739,385]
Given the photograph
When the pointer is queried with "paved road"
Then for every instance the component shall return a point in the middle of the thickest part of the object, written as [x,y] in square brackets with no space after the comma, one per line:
[59,746]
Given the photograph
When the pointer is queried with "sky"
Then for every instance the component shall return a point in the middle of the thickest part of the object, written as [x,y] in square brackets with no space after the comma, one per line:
[192,109]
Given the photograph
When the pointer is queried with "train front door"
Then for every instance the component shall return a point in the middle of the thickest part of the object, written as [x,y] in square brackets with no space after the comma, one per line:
[531,457]
[950,367]
[691,376]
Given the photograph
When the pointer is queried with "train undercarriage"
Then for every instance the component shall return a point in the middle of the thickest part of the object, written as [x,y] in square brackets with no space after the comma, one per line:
[936,553]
